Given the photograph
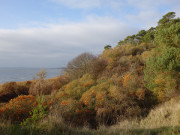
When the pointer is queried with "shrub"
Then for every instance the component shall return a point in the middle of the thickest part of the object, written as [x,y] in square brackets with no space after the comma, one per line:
[76,88]
[11,90]
[40,87]
[110,102]
[145,56]
[123,107]
[23,89]
[111,55]
[131,81]
[60,81]
[8,91]
[137,51]
[18,109]
[74,113]
[37,113]
[9,87]
[166,86]
[98,65]
[66,102]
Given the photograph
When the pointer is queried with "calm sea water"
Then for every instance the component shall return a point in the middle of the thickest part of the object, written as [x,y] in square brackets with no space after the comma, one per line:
[24,74]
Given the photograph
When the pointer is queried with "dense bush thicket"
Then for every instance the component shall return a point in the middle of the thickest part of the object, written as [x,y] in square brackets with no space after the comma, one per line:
[18,108]
[123,82]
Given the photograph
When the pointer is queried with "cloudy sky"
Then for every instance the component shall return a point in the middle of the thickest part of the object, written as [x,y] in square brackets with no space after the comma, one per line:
[49,33]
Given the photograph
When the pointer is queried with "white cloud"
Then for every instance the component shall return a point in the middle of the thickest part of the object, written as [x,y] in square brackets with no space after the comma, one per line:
[115,4]
[53,45]
[149,12]
[150,4]
[177,10]
[84,4]
[56,44]
[79,3]
[145,19]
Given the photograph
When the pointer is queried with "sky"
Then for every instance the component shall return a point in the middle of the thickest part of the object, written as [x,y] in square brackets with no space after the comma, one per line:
[50,33]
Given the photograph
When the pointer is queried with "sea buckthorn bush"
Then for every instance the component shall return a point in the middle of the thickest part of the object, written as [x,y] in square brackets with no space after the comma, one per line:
[8,91]
[11,90]
[60,81]
[38,113]
[76,88]
[166,85]
[23,89]
[131,81]
[18,109]
[74,113]
[67,102]
[9,87]
[110,102]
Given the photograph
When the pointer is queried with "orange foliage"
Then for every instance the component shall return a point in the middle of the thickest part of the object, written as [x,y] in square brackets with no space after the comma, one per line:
[76,88]
[88,96]
[65,102]
[96,96]
[166,85]
[140,93]
[100,98]
[18,109]
[61,95]
[88,83]
[126,78]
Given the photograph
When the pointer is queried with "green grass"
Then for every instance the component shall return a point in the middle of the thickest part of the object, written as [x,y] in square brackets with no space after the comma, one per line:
[18,130]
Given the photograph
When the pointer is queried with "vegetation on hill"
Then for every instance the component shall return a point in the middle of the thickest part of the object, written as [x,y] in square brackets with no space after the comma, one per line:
[123,83]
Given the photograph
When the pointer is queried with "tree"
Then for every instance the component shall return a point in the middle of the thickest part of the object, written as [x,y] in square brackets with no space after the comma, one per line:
[166,18]
[168,36]
[121,42]
[79,65]
[168,31]
[149,36]
[140,35]
[107,47]
[130,39]
[163,66]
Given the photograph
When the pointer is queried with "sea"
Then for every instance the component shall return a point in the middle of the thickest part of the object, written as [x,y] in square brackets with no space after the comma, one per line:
[25,74]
